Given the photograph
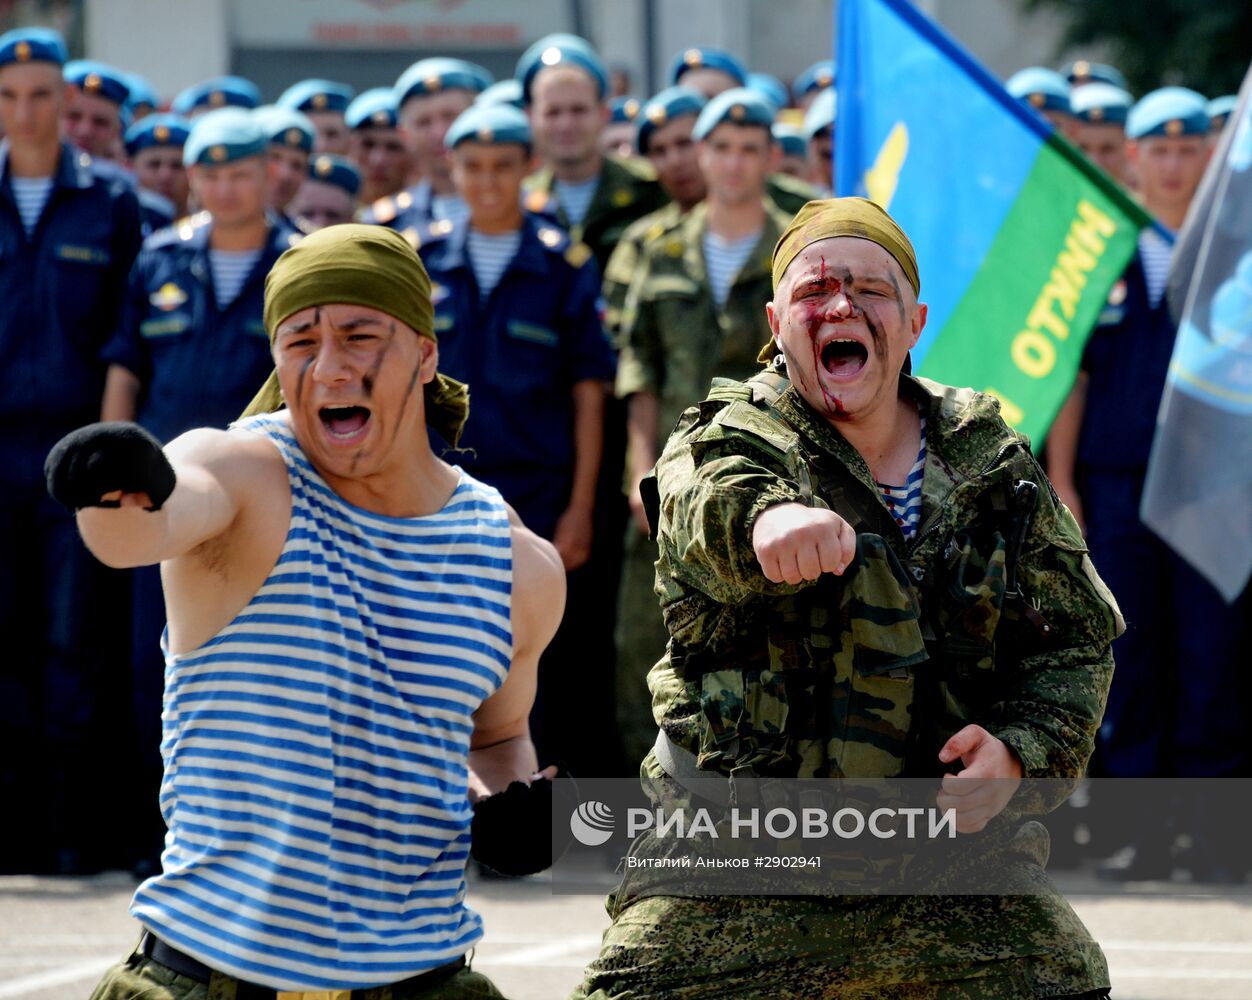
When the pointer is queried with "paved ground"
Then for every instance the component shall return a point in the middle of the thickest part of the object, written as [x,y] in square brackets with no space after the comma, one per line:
[1163,941]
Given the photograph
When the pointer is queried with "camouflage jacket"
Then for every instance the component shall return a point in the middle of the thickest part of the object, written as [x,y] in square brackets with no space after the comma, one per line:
[993,614]
[628,190]
[675,337]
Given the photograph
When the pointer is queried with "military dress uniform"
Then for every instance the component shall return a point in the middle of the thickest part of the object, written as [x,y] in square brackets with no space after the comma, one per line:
[60,289]
[1171,710]
[865,675]
[627,190]
[675,338]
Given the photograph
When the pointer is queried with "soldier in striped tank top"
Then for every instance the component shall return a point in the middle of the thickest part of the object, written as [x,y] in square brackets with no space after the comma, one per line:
[354,627]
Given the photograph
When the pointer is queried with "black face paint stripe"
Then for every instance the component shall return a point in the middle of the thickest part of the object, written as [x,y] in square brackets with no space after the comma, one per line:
[371,376]
[899,297]
[304,371]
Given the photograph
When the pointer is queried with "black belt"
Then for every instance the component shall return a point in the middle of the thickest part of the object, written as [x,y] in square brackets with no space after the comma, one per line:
[154,948]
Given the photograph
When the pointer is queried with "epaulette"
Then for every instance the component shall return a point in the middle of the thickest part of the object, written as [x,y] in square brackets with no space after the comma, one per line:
[639,169]
[389,206]
[789,193]
[430,234]
[178,231]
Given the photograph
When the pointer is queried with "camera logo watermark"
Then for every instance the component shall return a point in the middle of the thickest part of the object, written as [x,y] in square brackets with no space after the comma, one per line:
[592,824]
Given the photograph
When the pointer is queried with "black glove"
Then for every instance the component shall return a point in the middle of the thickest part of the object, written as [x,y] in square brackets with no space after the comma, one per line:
[512,830]
[99,458]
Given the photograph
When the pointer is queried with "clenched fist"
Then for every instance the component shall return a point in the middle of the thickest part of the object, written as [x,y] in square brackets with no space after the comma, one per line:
[794,543]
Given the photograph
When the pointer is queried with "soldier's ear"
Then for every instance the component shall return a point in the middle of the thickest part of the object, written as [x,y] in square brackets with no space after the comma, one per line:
[771,316]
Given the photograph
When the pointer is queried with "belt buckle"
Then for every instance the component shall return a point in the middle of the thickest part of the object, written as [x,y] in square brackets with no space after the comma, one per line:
[314,995]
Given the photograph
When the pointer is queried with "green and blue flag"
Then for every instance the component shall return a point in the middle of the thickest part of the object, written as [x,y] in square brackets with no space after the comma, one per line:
[1018,237]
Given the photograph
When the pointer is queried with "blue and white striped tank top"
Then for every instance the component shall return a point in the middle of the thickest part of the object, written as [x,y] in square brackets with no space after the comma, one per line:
[316,748]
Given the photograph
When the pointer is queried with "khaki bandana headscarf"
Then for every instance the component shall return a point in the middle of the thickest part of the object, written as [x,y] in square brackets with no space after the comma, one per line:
[361,266]
[830,217]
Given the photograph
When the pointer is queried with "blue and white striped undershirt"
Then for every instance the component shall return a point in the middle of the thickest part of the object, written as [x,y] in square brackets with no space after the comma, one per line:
[1156,256]
[723,259]
[490,255]
[575,198]
[230,269]
[905,502]
[316,749]
[31,195]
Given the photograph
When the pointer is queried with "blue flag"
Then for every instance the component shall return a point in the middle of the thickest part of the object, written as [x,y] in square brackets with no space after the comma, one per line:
[1198,495]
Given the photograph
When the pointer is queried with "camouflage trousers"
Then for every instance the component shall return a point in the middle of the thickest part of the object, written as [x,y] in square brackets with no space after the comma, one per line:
[140,978]
[640,638]
[851,948]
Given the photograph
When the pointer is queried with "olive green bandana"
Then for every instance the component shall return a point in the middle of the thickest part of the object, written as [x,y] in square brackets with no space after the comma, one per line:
[362,266]
[831,217]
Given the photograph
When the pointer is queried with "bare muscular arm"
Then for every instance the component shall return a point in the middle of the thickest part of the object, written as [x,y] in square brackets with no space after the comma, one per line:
[500,749]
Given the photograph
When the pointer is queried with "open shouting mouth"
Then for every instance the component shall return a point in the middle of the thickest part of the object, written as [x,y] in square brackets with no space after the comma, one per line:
[345,423]
[843,357]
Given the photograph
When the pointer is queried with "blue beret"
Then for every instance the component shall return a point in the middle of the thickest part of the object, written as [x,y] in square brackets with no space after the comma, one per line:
[493,124]
[1100,104]
[771,88]
[141,92]
[286,127]
[1081,71]
[821,113]
[97,78]
[1040,88]
[316,95]
[819,76]
[704,58]
[505,92]
[1170,111]
[555,50]
[430,76]
[375,108]
[662,108]
[331,169]
[790,139]
[219,92]
[623,110]
[157,130]
[1219,109]
[223,136]
[739,106]
[32,45]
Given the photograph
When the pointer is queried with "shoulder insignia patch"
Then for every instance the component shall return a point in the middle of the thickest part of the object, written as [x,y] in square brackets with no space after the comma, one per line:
[168,297]
[549,236]
[578,254]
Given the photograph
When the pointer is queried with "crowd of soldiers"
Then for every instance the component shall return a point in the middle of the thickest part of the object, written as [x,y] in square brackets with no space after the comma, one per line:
[576,239]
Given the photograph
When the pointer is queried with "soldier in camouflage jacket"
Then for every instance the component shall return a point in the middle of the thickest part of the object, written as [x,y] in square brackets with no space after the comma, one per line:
[812,637]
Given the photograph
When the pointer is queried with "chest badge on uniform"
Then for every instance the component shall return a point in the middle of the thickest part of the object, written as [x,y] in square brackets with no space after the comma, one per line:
[621,198]
[169,296]
[1117,295]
